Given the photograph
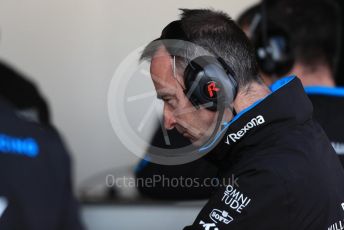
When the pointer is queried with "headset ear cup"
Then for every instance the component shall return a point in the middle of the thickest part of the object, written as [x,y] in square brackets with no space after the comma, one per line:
[195,82]
[191,87]
[209,83]
[274,53]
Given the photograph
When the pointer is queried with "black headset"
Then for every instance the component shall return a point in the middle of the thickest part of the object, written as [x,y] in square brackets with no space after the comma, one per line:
[209,81]
[272,43]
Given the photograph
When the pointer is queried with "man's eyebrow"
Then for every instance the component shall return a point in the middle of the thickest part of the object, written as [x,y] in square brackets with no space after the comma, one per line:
[162,93]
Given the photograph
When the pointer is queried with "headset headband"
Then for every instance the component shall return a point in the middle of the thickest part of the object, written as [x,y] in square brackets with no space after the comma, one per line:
[174,30]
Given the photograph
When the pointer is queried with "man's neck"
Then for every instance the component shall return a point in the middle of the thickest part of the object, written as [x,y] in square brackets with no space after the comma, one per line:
[246,97]
[320,75]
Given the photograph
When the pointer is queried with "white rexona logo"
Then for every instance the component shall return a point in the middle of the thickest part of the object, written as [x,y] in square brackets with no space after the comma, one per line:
[251,124]
[3,205]
[220,216]
[208,226]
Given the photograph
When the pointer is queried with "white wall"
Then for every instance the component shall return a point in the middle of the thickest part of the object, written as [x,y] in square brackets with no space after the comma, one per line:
[71,49]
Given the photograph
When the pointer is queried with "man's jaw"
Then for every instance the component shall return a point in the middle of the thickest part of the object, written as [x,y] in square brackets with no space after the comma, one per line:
[195,139]
[186,133]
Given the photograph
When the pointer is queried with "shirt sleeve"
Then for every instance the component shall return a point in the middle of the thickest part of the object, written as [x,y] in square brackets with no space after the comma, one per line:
[254,200]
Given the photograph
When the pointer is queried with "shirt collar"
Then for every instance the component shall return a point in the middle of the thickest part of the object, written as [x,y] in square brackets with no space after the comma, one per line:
[5,105]
[286,102]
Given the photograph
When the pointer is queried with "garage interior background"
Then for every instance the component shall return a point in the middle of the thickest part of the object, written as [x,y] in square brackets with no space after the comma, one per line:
[71,48]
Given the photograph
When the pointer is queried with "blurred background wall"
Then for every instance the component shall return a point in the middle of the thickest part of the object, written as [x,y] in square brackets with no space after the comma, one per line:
[71,49]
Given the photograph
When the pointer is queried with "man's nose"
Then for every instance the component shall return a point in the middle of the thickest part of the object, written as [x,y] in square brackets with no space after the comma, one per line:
[169,119]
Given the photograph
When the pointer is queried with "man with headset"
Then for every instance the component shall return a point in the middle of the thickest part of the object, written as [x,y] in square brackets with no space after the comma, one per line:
[204,69]
[302,38]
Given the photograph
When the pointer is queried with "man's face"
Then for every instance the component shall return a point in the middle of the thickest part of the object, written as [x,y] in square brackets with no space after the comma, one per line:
[195,124]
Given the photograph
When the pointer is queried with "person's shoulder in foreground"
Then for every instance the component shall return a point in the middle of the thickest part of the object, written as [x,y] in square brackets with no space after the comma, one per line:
[35,189]
[287,175]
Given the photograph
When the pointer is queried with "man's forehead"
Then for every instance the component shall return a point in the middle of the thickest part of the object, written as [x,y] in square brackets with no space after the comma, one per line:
[161,67]
[161,70]
[161,54]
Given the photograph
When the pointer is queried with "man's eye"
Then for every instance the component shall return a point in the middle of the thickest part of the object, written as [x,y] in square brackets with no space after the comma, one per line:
[166,99]
[169,101]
